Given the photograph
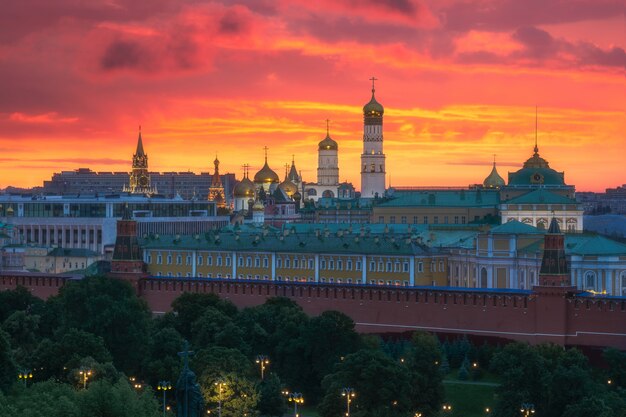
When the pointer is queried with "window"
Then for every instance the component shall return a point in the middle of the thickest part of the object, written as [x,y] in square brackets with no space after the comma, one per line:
[200,260]
[392,219]
[372,266]
[218,260]
[199,274]
[456,219]
[388,267]
[349,265]
[169,259]
[441,268]
[296,263]
[420,267]
[159,259]
[323,264]
[436,220]
[257,262]
[178,274]
[414,219]
[358,265]
[266,262]
[381,219]
[188,260]
[425,219]
[188,275]
[248,261]
[279,262]
[463,220]
[590,280]
[209,275]
[287,263]
[339,265]
[403,219]
[381,266]
[331,264]
[405,267]
[149,259]
[311,264]
[240,261]
[179,259]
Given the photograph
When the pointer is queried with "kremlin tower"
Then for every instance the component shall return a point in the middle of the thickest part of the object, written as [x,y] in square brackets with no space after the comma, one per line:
[328,162]
[216,190]
[373,158]
[140,177]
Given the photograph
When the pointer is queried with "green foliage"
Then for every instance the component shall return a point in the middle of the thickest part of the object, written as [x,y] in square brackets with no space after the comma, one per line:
[19,299]
[616,370]
[238,396]
[118,399]
[271,400]
[444,367]
[425,376]
[216,328]
[110,309]
[382,386]
[162,361]
[8,370]
[189,307]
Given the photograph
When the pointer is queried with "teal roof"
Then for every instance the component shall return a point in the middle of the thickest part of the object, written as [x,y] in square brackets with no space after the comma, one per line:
[444,198]
[324,242]
[515,227]
[545,176]
[541,196]
[593,245]
[73,252]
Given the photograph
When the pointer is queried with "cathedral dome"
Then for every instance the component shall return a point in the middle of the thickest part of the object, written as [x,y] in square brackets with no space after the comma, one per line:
[244,188]
[328,144]
[373,108]
[288,187]
[536,171]
[494,180]
[266,175]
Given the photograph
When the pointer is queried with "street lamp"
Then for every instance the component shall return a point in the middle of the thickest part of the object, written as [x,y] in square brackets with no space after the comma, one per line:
[84,373]
[296,397]
[527,409]
[220,386]
[349,394]
[447,408]
[25,375]
[164,386]
[262,360]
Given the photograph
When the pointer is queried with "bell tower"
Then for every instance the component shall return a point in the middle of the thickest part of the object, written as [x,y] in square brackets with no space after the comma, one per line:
[373,159]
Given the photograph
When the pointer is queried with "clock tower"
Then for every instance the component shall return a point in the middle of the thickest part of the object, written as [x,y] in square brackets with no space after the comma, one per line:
[140,177]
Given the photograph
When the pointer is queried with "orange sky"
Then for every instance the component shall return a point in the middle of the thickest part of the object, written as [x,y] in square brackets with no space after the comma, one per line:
[459,81]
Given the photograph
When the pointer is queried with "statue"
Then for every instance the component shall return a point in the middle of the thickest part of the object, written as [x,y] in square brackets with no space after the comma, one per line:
[189,400]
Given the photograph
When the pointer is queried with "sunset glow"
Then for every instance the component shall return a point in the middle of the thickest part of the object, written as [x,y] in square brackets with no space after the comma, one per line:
[459,80]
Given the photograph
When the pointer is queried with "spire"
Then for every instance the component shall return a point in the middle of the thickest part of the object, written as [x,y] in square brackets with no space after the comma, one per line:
[536,132]
[327,128]
[265,148]
[139,144]
[373,79]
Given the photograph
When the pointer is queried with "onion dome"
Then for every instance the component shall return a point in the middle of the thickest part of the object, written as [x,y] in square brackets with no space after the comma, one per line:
[244,188]
[328,144]
[288,187]
[373,108]
[266,175]
[494,180]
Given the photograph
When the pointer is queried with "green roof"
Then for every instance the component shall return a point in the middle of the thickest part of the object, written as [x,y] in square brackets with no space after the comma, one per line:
[515,227]
[324,242]
[593,245]
[73,252]
[541,196]
[444,198]
[545,176]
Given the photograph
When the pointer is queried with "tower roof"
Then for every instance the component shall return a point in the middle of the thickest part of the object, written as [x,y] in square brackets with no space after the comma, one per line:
[293,172]
[373,108]
[266,174]
[140,151]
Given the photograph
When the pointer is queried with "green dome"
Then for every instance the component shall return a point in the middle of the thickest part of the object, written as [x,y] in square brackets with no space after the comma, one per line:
[373,108]
[494,180]
[328,144]
[536,171]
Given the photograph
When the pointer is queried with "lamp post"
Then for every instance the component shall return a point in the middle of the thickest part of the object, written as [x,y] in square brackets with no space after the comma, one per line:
[296,397]
[164,386]
[262,360]
[220,386]
[25,375]
[84,373]
[446,408]
[527,409]
[349,394]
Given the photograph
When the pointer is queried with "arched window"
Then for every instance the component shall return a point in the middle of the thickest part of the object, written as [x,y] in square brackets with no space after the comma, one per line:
[328,194]
[590,280]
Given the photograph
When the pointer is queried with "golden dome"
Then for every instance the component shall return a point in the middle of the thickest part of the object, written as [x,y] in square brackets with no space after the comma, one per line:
[494,180]
[266,175]
[328,144]
[288,187]
[373,108]
[244,188]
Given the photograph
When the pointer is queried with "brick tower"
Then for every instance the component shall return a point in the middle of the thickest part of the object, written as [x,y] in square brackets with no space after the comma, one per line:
[127,262]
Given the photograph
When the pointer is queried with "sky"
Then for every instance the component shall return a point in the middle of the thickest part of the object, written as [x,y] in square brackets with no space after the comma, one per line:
[460,82]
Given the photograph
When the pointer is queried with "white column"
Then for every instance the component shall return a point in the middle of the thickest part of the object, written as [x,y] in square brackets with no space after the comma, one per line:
[193,263]
[579,274]
[234,262]
[364,269]
[412,271]
[317,268]
[609,281]
[273,266]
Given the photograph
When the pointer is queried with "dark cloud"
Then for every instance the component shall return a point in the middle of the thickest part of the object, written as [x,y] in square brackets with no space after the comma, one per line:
[402,6]
[537,42]
[503,15]
[590,54]
[231,23]
[124,54]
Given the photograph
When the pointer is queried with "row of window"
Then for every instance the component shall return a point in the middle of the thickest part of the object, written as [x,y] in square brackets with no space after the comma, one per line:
[426,219]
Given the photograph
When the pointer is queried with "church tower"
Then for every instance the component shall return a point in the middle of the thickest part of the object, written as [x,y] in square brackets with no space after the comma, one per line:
[140,177]
[373,158]
[327,161]
[216,190]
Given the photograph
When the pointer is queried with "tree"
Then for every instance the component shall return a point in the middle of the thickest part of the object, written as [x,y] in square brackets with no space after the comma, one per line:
[23,331]
[189,307]
[162,361]
[444,367]
[19,299]
[117,399]
[616,370]
[271,400]
[213,362]
[382,386]
[216,328]
[426,379]
[8,371]
[108,308]
[237,395]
